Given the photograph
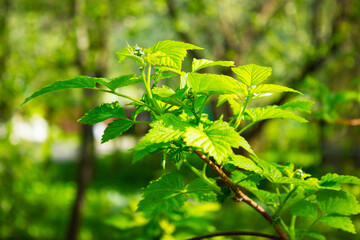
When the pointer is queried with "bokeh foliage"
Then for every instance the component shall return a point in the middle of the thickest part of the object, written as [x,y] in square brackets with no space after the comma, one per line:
[311,46]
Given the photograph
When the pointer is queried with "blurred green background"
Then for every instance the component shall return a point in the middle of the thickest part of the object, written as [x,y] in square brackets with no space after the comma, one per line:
[58,182]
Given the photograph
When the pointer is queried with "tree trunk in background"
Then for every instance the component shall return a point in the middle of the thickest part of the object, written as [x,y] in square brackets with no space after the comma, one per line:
[87,154]
[97,68]
[4,15]
[4,53]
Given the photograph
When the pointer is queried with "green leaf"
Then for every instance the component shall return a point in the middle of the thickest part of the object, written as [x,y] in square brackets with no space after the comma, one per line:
[142,150]
[164,91]
[169,53]
[163,195]
[270,170]
[115,129]
[166,128]
[216,140]
[159,75]
[128,53]
[237,176]
[123,53]
[77,82]
[301,233]
[245,163]
[266,197]
[213,83]
[304,209]
[340,202]
[248,180]
[332,179]
[271,112]
[163,69]
[200,191]
[271,88]
[103,112]
[252,74]
[231,99]
[339,222]
[122,81]
[310,183]
[298,105]
[198,64]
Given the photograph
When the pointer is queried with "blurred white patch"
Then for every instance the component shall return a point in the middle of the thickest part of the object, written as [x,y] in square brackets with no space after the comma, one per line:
[124,143]
[266,94]
[35,129]
[117,199]
[64,150]
[98,130]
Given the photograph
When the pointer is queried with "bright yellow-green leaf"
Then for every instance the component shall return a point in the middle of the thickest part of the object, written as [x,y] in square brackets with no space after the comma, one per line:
[198,64]
[169,53]
[245,163]
[271,112]
[271,88]
[213,83]
[252,74]
[216,140]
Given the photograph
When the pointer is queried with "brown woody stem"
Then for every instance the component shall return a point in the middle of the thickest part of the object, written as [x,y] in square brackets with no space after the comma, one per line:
[240,196]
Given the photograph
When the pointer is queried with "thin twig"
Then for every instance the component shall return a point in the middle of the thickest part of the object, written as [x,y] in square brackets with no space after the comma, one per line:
[236,234]
[243,197]
[350,122]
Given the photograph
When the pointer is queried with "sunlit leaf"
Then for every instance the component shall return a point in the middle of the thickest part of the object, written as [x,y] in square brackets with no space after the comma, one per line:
[271,112]
[298,105]
[232,100]
[216,140]
[213,83]
[128,53]
[252,74]
[271,88]
[310,183]
[270,170]
[198,64]
[164,91]
[167,128]
[245,163]
[169,53]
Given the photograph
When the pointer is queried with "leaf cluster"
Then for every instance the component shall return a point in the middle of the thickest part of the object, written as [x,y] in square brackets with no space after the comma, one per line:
[180,128]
